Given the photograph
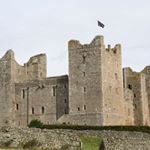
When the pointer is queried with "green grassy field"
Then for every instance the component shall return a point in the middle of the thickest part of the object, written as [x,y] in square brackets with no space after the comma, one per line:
[91,143]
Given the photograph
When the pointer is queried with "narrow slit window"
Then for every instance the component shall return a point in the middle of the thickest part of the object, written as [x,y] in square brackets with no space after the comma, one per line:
[17,107]
[84,89]
[65,100]
[23,94]
[134,95]
[78,108]
[32,110]
[84,107]
[83,74]
[43,110]
[54,90]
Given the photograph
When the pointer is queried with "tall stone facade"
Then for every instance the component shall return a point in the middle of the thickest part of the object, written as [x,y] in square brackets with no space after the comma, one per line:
[95,83]
[96,92]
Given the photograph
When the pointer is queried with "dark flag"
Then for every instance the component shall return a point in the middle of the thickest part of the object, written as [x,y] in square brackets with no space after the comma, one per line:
[100,24]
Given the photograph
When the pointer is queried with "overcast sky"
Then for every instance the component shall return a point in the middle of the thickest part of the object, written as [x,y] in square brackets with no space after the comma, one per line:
[29,27]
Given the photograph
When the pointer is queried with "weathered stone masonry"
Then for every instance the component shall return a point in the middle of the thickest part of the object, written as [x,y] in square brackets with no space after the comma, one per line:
[96,92]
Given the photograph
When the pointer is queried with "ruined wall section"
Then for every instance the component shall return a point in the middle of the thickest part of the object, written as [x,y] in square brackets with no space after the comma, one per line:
[112,86]
[85,94]
[45,100]
[35,68]
[6,89]
[137,83]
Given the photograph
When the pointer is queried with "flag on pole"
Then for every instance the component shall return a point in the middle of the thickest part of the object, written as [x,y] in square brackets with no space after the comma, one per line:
[100,24]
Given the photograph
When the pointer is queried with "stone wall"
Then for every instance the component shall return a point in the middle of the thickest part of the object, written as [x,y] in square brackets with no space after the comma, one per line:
[113,140]
[45,100]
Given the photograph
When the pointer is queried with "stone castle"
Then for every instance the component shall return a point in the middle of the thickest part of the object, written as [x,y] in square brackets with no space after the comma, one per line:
[96,92]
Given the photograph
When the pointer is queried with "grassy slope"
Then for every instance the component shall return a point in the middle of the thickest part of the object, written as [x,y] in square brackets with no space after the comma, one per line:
[91,143]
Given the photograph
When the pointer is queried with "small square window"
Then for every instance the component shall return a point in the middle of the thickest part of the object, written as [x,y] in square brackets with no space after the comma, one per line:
[130,86]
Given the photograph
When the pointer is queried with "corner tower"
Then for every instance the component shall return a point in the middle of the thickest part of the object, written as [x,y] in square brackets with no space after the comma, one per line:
[95,83]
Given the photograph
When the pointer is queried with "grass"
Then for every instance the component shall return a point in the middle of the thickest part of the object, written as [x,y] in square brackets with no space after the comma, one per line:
[91,143]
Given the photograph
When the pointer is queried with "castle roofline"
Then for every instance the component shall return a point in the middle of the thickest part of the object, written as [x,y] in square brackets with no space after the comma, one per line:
[97,41]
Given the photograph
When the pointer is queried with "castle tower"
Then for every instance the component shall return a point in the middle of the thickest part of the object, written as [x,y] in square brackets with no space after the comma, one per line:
[95,83]
[135,82]
[6,89]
